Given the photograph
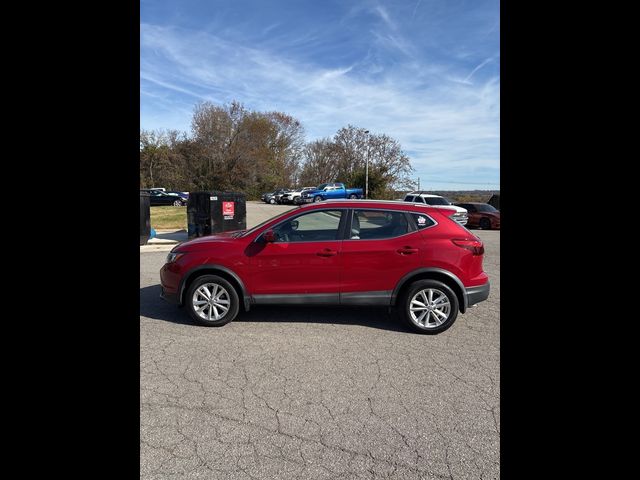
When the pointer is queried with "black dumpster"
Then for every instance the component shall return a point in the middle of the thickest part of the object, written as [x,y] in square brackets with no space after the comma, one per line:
[145,218]
[494,201]
[214,212]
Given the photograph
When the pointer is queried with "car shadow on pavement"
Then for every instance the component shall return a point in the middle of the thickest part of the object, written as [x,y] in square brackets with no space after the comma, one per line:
[152,306]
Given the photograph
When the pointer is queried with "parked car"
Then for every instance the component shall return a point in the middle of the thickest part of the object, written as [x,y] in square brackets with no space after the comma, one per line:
[183,195]
[409,256]
[331,191]
[157,197]
[481,215]
[295,196]
[278,196]
[270,197]
[438,202]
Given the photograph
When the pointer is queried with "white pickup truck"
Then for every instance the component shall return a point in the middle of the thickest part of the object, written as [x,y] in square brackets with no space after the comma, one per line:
[437,201]
[295,196]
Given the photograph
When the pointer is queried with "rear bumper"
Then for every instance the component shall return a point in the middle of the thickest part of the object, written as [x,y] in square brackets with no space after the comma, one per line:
[477,294]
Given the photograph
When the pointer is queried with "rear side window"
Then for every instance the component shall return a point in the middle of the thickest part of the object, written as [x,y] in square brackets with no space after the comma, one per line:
[422,221]
[377,225]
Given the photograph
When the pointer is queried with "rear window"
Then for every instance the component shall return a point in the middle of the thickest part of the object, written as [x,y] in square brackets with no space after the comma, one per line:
[486,208]
[436,201]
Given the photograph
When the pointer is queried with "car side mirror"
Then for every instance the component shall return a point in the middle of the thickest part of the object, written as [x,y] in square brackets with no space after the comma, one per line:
[269,236]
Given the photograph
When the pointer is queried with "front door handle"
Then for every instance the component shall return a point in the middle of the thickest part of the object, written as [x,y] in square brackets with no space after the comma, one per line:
[407,250]
[327,252]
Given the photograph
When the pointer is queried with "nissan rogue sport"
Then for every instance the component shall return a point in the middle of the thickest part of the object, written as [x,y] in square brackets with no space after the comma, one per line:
[409,256]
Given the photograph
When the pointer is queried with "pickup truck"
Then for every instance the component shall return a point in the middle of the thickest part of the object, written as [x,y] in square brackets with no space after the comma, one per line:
[330,191]
[295,196]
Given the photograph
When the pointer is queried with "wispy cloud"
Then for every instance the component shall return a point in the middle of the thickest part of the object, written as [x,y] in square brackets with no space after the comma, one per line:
[447,124]
[478,67]
[416,9]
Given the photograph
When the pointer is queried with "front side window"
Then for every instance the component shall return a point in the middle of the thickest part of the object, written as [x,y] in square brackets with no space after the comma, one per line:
[319,226]
[408,198]
[419,199]
[377,225]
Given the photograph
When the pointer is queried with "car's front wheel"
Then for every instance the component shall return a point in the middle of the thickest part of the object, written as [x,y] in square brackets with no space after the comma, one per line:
[272,201]
[317,198]
[212,301]
[485,223]
[429,306]
[177,203]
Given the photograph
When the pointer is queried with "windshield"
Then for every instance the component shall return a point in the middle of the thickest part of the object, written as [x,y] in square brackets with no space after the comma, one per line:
[486,208]
[436,201]
[244,233]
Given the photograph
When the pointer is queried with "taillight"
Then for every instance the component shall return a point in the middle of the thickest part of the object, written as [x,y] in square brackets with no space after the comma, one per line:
[474,246]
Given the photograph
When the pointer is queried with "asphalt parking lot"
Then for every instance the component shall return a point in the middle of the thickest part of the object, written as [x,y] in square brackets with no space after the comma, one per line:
[317,392]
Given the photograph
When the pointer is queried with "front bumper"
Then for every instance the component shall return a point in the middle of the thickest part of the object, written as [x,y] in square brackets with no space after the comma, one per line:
[477,294]
[169,297]
[461,218]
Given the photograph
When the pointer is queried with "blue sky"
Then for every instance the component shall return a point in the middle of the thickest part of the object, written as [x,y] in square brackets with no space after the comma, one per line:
[426,72]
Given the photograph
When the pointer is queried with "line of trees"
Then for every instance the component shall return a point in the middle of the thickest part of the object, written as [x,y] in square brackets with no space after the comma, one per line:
[232,148]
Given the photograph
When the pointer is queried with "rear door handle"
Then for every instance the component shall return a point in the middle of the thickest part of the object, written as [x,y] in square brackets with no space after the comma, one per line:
[407,250]
[327,252]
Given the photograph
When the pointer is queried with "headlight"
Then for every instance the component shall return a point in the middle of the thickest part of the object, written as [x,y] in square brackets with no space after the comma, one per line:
[173,256]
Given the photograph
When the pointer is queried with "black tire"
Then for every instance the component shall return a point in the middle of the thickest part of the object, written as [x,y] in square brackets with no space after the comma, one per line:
[485,223]
[435,285]
[317,198]
[234,301]
[353,196]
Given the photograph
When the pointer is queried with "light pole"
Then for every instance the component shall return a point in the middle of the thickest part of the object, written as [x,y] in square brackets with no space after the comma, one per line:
[366,175]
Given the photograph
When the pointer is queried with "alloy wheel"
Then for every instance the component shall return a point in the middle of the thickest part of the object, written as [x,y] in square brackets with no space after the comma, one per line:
[211,301]
[429,308]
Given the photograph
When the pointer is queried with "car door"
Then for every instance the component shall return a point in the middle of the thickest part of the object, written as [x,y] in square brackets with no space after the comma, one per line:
[303,264]
[154,198]
[381,246]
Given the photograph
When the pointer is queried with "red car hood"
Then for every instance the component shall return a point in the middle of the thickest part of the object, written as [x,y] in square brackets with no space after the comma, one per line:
[199,242]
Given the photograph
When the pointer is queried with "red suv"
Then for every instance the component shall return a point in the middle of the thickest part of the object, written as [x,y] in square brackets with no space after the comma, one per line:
[348,252]
[481,215]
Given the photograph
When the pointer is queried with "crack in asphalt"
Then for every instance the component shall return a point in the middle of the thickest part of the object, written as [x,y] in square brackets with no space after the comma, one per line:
[292,397]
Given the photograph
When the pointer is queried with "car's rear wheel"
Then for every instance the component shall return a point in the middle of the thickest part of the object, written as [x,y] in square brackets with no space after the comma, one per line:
[353,196]
[429,306]
[485,223]
[212,301]
[177,203]
[317,198]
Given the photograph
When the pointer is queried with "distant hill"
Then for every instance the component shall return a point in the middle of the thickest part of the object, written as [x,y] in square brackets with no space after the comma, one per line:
[459,195]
